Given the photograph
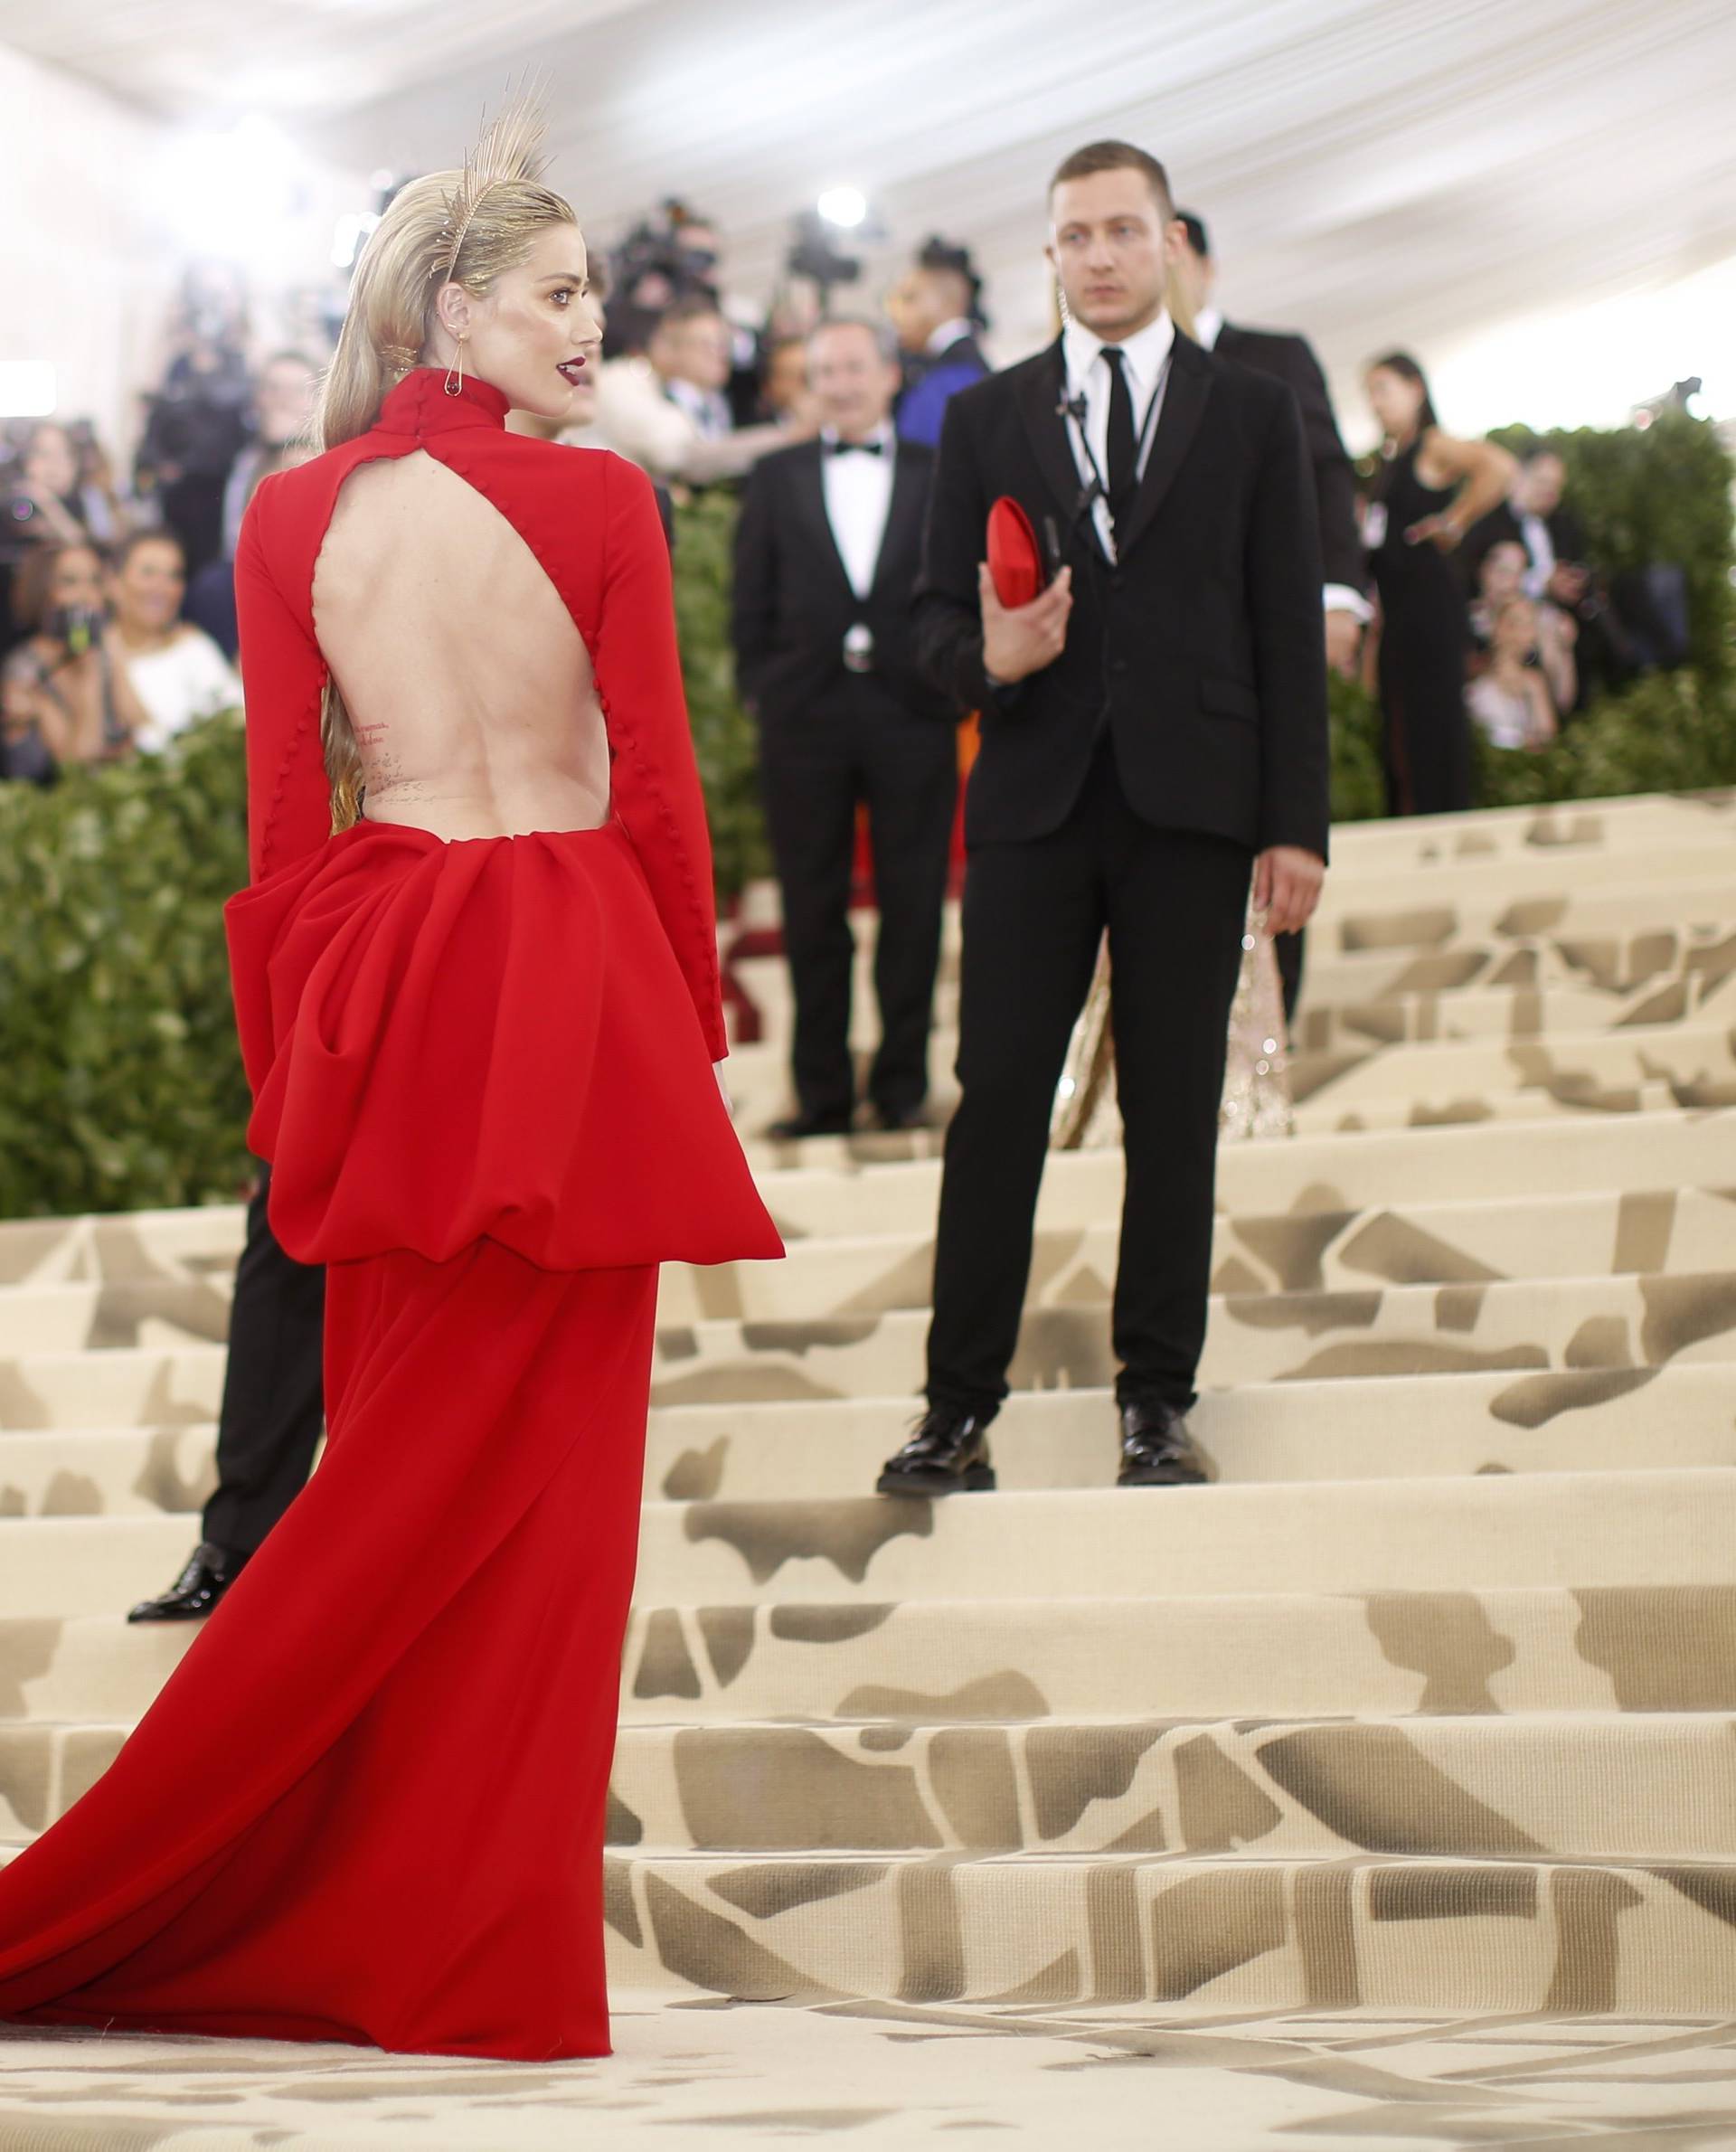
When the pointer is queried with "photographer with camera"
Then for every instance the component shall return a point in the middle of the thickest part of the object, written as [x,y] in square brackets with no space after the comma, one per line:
[67,696]
[54,496]
[198,420]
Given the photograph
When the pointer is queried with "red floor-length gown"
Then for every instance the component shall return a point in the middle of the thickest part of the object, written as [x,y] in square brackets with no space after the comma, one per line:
[368,1805]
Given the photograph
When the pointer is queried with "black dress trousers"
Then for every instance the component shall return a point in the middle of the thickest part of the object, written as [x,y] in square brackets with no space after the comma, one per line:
[273,1399]
[1175,902]
[857,742]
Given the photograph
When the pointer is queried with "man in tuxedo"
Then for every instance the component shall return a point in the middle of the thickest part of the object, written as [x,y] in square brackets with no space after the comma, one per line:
[1290,358]
[1153,731]
[826,555]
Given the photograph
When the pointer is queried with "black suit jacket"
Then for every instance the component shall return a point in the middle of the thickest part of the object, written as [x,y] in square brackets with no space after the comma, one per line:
[1290,358]
[1204,650]
[793,604]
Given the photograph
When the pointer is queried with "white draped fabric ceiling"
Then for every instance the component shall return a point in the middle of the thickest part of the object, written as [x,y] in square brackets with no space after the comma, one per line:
[1432,172]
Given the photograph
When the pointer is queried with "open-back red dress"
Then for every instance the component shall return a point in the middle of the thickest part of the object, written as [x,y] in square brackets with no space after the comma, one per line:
[368,1805]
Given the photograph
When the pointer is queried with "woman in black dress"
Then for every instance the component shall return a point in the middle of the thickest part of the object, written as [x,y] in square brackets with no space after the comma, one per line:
[1431,491]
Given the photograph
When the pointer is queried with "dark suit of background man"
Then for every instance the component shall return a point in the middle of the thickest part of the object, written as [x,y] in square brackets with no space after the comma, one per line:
[826,555]
[1291,359]
[1154,726]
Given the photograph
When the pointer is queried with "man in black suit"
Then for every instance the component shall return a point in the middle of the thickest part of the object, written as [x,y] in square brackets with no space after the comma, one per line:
[1290,358]
[1154,731]
[827,551]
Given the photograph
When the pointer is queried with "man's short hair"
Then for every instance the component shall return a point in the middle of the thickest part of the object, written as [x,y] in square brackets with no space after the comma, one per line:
[1117,156]
[1193,224]
[680,311]
[885,337]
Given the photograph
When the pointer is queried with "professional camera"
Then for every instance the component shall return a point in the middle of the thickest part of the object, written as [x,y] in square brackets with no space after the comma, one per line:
[77,627]
[813,255]
[653,266]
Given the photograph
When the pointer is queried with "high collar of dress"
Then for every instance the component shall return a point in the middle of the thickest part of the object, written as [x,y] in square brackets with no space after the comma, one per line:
[419,404]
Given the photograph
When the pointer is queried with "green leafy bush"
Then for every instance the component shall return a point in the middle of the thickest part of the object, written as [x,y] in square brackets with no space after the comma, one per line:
[1656,494]
[724,740]
[120,1083]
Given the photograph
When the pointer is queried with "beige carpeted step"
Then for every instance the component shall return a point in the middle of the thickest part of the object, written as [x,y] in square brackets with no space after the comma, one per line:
[1235,1934]
[1597,1420]
[1516,1325]
[1636,1648]
[1497,1530]
[1587,1787]
[1658,1230]
[828,1187]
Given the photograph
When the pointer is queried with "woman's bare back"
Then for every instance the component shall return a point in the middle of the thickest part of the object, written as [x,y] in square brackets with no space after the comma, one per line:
[469,688]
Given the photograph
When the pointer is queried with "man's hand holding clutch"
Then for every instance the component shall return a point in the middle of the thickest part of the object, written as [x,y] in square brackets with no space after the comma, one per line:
[1020,641]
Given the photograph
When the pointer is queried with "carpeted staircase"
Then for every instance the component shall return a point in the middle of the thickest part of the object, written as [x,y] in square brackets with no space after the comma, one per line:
[1427,1704]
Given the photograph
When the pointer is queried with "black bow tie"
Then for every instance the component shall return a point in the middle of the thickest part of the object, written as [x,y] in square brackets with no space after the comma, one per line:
[855,447]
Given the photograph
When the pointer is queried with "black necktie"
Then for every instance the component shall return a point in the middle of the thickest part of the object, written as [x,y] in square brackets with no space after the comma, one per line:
[855,448]
[1123,450]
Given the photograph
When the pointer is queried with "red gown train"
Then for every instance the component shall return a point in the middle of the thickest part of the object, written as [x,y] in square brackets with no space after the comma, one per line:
[368,1805]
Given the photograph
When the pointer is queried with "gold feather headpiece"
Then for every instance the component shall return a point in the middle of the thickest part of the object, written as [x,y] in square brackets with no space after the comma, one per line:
[510,148]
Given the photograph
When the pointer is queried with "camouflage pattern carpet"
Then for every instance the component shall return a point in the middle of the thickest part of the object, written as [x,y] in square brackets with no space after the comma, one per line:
[1382,1791]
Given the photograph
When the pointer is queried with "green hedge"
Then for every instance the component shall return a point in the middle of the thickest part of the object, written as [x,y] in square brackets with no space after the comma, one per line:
[122,1084]
[1658,494]
[723,735]
[1671,733]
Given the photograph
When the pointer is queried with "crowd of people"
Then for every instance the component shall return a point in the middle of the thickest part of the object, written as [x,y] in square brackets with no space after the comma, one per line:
[1456,582]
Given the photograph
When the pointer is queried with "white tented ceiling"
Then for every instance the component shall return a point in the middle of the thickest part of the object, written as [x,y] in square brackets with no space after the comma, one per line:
[1377,172]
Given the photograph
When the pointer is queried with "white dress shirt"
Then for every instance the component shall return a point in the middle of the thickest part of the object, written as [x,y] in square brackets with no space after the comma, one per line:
[948,333]
[1144,361]
[1540,546]
[858,500]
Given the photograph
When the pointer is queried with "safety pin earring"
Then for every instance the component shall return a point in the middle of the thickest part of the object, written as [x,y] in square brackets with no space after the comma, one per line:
[455,373]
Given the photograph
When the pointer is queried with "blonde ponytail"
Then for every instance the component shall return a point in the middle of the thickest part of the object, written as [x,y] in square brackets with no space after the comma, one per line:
[466,227]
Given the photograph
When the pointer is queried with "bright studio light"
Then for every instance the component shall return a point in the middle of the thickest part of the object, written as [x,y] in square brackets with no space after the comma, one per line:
[229,191]
[843,206]
[26,388]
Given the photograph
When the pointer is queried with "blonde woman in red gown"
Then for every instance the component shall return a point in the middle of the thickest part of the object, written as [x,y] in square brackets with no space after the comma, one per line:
[479,1021]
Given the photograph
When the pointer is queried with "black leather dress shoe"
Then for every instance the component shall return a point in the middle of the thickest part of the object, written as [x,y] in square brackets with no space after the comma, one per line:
[1157,1450]
[947,1454]
[799,1125]
[211,1571]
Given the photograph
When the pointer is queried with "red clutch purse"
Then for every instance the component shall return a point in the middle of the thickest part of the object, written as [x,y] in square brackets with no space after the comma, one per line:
[1014,558]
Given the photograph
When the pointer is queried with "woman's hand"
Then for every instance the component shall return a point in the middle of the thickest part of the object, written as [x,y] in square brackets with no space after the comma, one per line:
[1438,531]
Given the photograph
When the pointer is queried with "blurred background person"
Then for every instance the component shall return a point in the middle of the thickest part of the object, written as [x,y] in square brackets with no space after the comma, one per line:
[70,700]
[783,381]
[283,414]
[176,670]
[1430,490]
[53,495]
[937,309]
[1510,700]
[1535,516]
[668,411]
[1290,357]
[198,420]
[827,551]
[1501,575]
[1344,592]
